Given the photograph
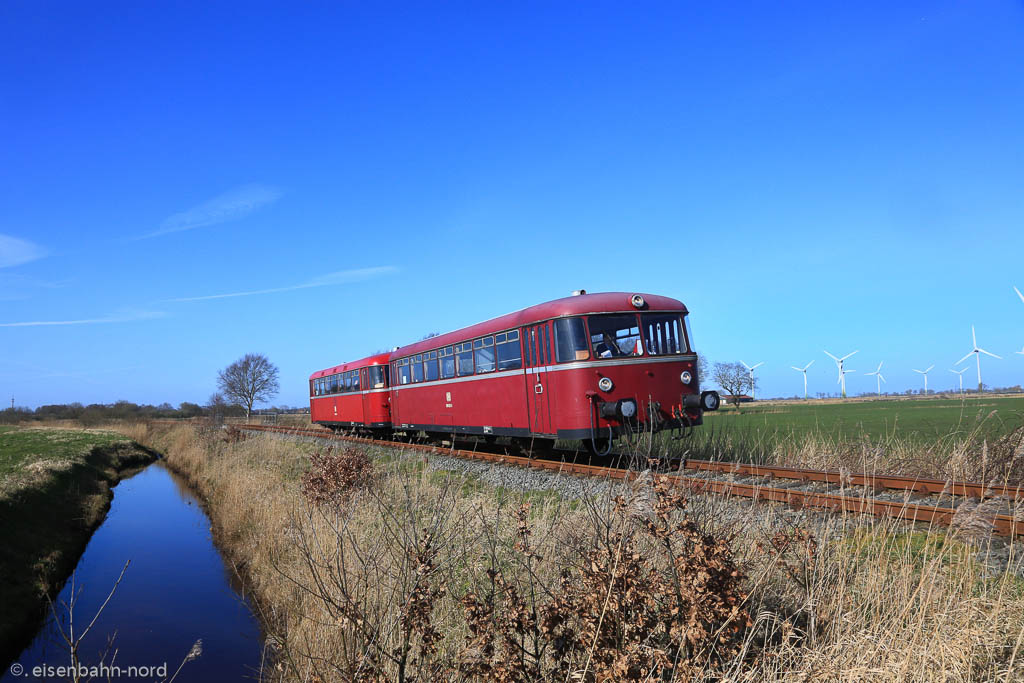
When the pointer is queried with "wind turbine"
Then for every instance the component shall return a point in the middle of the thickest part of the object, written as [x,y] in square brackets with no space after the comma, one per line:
[839,364]
[925,373]
[751,368]
[977,351]
[878,377]
[804,370]
[961,374]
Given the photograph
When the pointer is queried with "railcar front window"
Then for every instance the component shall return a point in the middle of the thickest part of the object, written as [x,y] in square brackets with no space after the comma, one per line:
[614,336]
[403,371]
[377,377]
[510,356]
[662,334]
[570,340]
[447,362]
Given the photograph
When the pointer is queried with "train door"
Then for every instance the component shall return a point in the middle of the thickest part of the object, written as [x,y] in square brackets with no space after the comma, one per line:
[364,395]
[537,345]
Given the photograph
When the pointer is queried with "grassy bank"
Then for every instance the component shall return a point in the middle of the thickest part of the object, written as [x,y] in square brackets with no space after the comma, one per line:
[55,488]
[374,566]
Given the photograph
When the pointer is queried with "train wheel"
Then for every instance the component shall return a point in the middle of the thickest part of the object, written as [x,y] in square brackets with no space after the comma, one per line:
[520,445]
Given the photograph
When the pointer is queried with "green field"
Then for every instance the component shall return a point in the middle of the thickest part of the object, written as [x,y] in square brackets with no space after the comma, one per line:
[915,419]
[26,453]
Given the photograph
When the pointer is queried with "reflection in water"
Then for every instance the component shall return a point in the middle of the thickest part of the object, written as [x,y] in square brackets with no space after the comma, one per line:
[176,590]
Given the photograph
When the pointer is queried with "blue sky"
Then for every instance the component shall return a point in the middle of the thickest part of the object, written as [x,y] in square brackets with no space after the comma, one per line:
[802,176]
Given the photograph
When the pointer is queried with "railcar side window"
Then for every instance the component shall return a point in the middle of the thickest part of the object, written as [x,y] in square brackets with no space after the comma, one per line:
[430,366]
[570,340]
[333,388]
[483,352]
[447,355]
[510,356]
[614,336]
[464,358]
[403,371]
[417,368]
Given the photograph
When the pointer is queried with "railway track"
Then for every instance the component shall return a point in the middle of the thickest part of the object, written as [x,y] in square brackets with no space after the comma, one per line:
[898,497]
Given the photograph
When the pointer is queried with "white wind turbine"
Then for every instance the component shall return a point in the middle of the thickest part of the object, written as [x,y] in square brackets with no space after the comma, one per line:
[751,369]
[842,373]
[960,373]
[803,370]
[977,351]
[925,373]
[1021,352]
[878,377]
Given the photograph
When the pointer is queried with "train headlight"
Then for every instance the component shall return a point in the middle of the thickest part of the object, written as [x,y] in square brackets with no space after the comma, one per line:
[627,408]
[709,400]
[605,384]
[637,301]
[685,377]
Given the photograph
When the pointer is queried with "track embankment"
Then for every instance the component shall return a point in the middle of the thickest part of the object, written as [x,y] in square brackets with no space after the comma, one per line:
[997,508]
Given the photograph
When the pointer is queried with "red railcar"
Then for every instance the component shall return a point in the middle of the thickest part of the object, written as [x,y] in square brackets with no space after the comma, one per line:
[352,394]
[589,366]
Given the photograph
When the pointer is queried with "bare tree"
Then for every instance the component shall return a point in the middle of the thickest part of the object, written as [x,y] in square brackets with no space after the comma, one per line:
[733,378]
[250,379]
[704,376]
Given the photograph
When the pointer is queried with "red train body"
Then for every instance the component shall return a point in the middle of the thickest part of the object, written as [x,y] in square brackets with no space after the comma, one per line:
[589,366]
[352,394]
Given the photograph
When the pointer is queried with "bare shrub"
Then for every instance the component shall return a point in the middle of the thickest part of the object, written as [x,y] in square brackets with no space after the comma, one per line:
[233,434]
[657,598]
[333,475]
[652,597]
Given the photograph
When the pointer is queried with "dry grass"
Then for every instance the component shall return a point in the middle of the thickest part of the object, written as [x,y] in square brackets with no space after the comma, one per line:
[431,576]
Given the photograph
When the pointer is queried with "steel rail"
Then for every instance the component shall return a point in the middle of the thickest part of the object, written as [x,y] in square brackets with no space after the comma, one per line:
[1003,525]
[875,481]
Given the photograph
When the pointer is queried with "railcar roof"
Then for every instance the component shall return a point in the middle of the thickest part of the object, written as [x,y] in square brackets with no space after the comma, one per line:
[376,359]
[603,302]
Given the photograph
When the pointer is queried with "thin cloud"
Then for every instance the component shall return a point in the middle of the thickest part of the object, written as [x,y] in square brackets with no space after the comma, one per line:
[127,317]
[15,286]
[15,251]
[338,278]
[232,205]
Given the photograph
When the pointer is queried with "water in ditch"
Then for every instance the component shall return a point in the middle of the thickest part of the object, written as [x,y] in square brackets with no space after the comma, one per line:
[177,590]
